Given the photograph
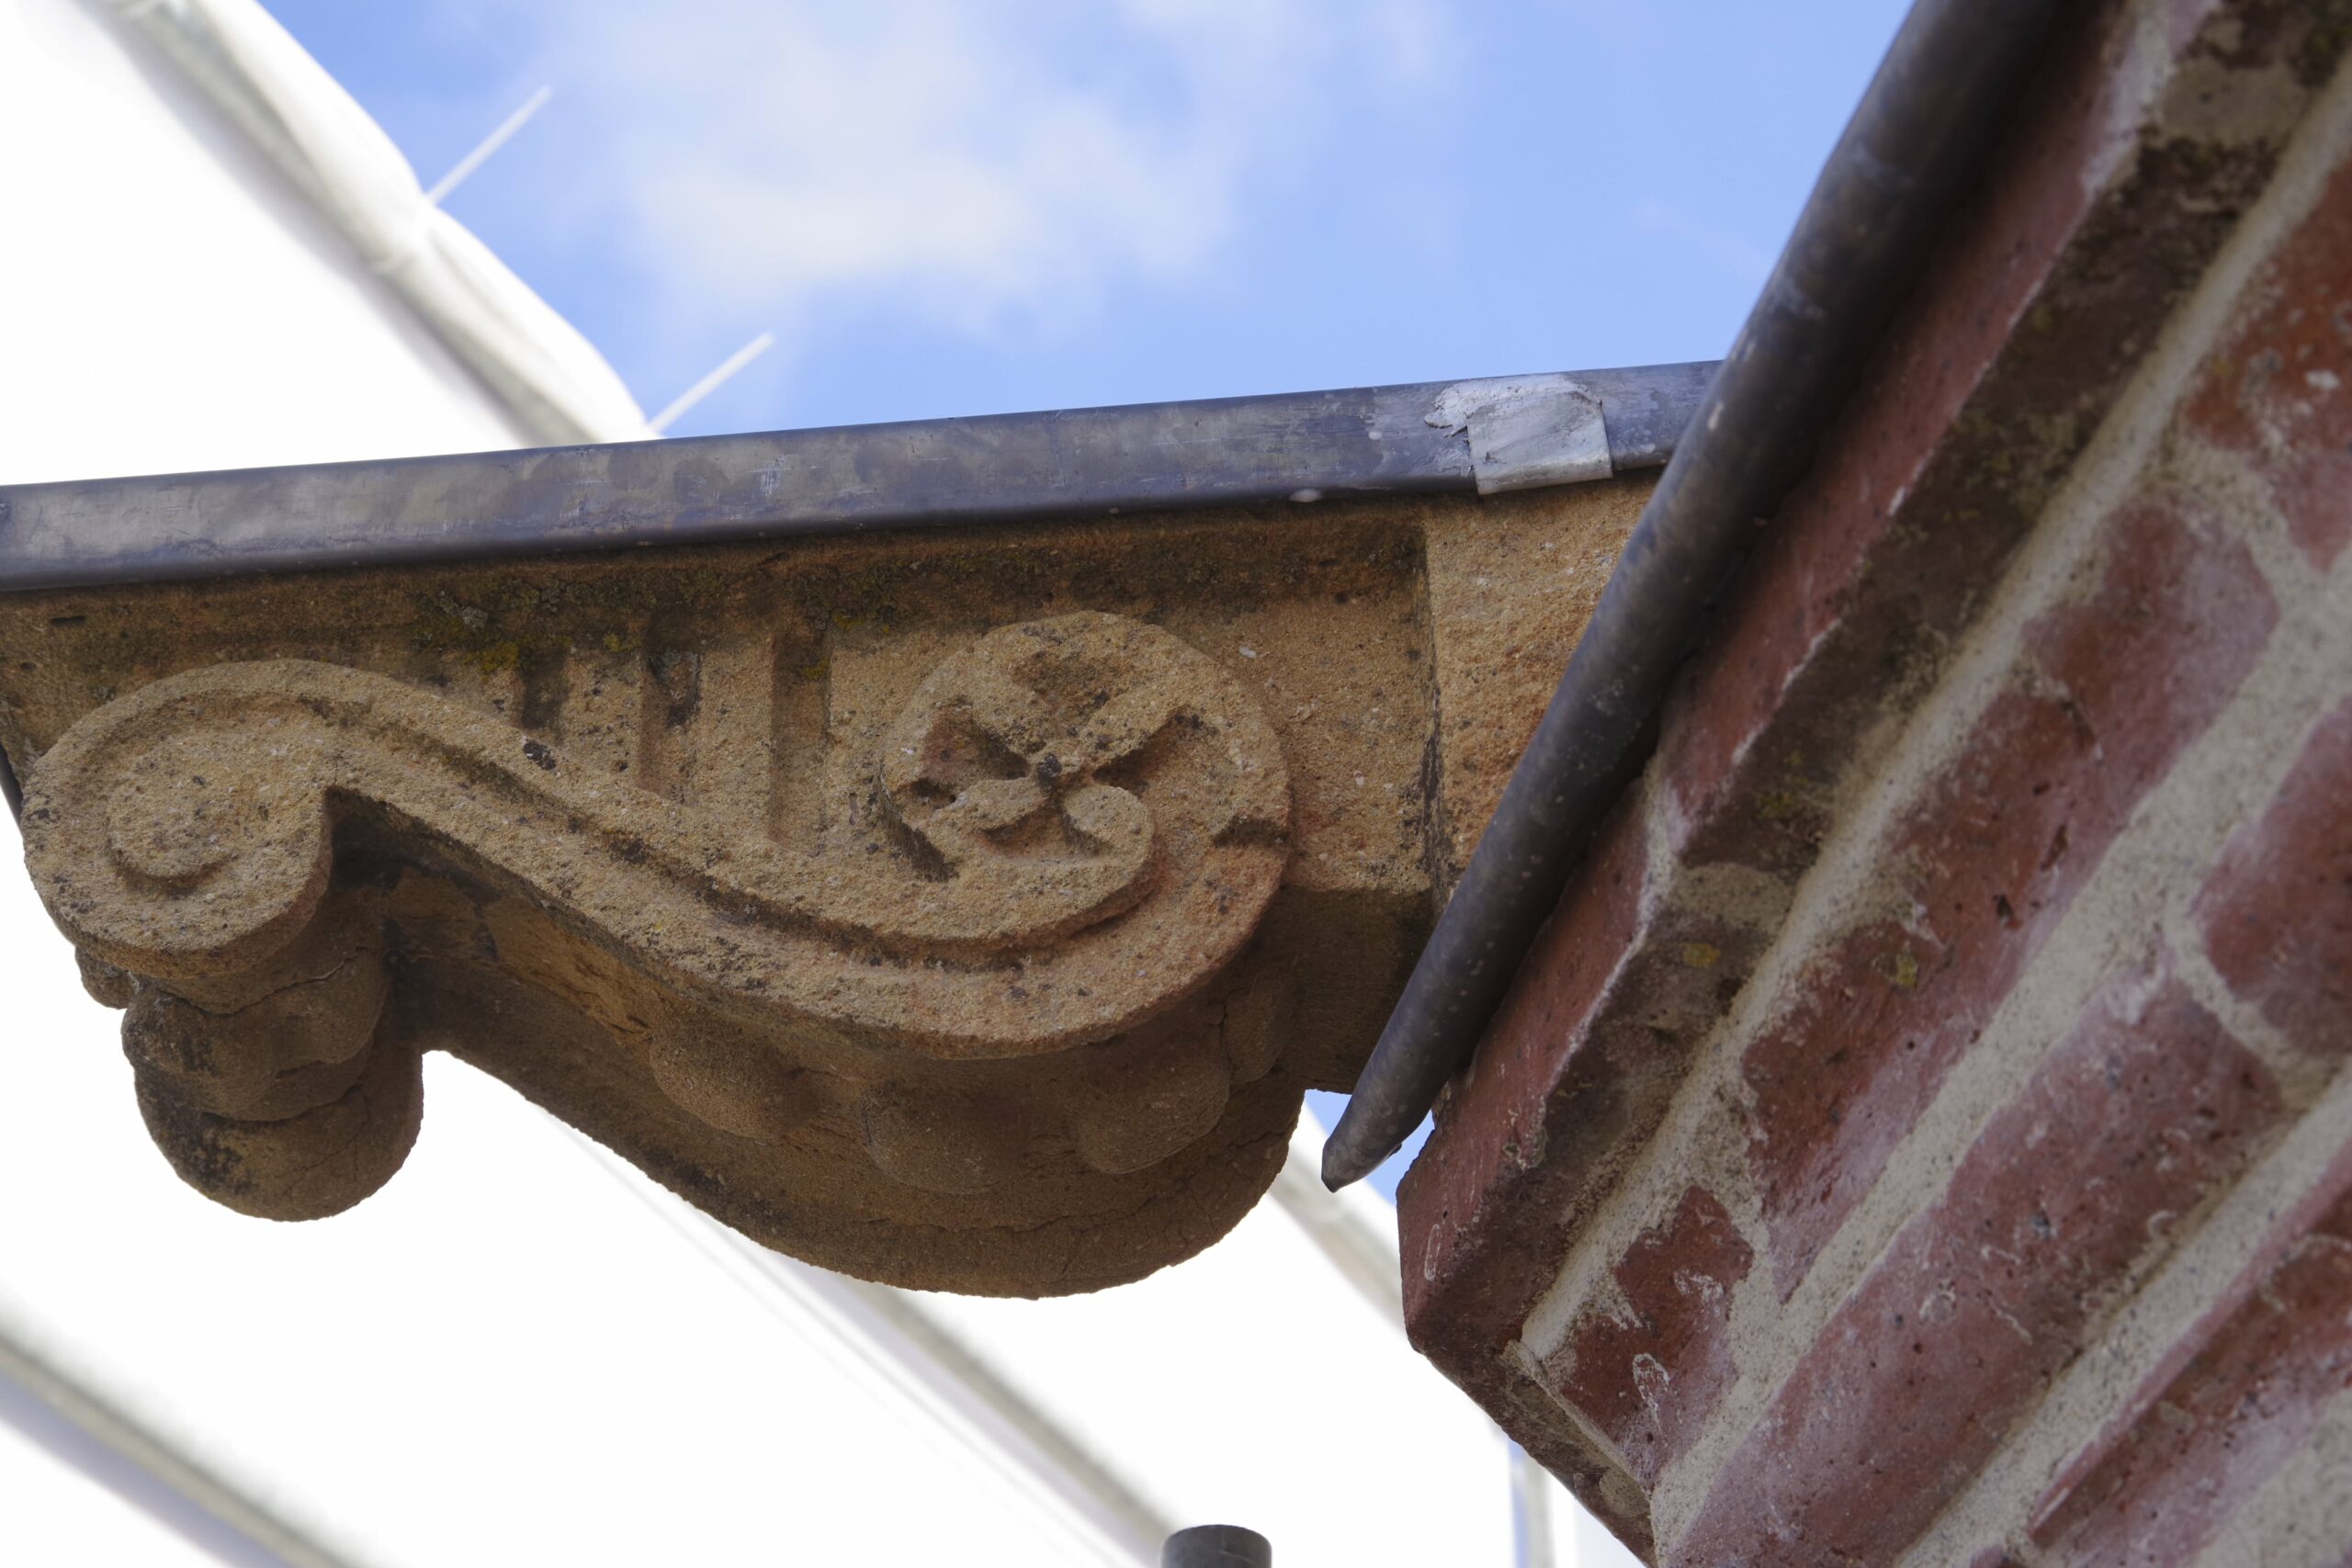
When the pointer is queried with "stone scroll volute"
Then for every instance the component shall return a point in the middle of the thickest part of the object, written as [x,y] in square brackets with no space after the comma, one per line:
[1009,1034]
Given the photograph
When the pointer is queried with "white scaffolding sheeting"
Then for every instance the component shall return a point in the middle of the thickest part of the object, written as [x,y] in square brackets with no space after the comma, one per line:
[556,384]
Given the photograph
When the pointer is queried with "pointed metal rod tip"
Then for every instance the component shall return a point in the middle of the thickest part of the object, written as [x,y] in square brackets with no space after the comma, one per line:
[1346,1160]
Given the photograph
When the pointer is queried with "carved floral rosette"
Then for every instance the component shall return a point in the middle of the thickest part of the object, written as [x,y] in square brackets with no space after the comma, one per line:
[1004,1031]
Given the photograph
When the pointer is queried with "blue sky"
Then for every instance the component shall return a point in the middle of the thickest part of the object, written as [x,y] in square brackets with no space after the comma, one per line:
[969,205]
[947,206]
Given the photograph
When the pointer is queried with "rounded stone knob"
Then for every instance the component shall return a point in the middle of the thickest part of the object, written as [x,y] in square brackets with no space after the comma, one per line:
[305,1167]
[952,1147]
[735,1082]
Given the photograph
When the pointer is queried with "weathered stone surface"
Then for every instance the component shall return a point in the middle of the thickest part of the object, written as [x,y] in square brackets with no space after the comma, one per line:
[1511,589]
[967,911]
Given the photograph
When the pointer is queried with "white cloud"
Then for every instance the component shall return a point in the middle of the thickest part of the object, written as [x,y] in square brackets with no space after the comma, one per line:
[982,165]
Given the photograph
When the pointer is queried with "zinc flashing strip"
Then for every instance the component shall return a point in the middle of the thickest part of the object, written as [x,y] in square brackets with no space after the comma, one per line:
[1291,448]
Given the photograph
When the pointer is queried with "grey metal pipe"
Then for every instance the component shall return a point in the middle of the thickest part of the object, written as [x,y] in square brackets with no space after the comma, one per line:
[1216,1545]
[1929,117]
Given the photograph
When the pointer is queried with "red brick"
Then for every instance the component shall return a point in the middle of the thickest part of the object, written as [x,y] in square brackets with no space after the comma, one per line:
[1649,1374]
[2181,615]
[2280,392]
[1574,1074]
[2069,1195]
[1992,857]
[1462,1189]
[1566,1088]
[1960,433]
[2277,911]
[2259,1381]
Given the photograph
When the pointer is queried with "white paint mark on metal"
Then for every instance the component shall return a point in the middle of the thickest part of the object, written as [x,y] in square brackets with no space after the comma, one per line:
[1528,431]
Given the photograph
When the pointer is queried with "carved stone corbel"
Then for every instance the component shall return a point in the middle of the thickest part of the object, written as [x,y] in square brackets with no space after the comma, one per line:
[968,908]
[1012,992]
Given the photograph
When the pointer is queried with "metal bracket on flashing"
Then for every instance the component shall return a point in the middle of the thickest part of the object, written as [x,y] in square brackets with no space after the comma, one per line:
[1527,432]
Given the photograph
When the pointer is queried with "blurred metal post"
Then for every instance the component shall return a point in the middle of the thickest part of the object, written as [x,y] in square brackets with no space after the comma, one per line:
[47,1399]
[1216,1545]
[1530,1508]
[1355,1228]
[892,1331]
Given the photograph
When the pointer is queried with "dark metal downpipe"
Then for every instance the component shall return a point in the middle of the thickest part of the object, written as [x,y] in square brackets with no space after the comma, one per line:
[1929,116]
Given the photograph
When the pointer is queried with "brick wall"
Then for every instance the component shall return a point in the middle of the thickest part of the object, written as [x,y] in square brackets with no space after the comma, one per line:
[1918,1137]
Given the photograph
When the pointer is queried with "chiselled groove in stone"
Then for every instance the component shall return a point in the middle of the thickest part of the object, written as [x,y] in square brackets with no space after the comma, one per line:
[795,745]
[1039,897]
[598,720]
